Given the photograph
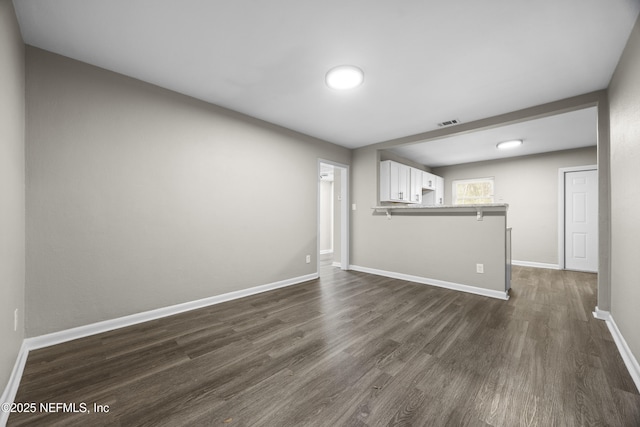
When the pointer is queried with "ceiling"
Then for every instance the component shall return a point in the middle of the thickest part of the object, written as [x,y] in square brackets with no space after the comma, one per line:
[424,61]
[565,131]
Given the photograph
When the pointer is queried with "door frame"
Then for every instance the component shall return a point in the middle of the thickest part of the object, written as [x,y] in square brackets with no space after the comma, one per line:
[561,210]
[344,213]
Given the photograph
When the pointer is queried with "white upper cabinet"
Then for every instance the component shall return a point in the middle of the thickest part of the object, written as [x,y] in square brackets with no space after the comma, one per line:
[439,191]
[434,196]
[404,184]
[416,185]
[395,181]
[428,181]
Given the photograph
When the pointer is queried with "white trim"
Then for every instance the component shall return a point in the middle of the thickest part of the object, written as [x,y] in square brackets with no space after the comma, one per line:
[326,251]
[561,188]
[627,356]
[434,282]
[535,264]
[601,314]
[336,264]
[133,319]
[9,394]
[344,211]
[59,337]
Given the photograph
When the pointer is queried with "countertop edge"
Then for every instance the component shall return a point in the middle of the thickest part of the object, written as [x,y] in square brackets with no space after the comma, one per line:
[484,207]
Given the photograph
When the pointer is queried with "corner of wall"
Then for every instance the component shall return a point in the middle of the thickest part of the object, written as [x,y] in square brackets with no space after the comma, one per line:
[12,190]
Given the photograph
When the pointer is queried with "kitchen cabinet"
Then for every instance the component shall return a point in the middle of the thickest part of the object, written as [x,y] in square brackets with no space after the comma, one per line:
[428,181]
[435,197]
[395,179]
[404,184]
[417,178]
[439,191]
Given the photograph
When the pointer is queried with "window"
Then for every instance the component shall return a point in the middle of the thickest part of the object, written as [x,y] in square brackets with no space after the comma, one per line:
[472,191]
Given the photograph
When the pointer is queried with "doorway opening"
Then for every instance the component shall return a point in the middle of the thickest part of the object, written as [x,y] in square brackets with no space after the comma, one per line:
[333,216]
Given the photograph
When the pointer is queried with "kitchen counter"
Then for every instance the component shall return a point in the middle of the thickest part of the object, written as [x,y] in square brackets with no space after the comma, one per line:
[462,247]
[496,206]
[478,209]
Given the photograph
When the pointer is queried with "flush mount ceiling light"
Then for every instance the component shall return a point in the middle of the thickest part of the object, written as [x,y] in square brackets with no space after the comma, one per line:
[344,77]
[509,144]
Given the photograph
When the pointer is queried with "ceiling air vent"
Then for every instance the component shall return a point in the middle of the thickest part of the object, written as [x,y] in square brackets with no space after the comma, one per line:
[449,123]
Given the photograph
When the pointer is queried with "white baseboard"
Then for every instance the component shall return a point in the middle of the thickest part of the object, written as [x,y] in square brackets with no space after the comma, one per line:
[535,264]
[133,319]
[601,314]
[434,282]
[336,264]
[627,356]
[59,337]
[9,394]
[326,251]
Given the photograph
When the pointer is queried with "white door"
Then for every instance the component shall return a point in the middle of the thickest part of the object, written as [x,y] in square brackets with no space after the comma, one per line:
[581,220]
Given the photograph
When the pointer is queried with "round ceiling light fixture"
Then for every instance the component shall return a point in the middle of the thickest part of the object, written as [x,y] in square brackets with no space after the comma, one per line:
[509,144]
[344,77]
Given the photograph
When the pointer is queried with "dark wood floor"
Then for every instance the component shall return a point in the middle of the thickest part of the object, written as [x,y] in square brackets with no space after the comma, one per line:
[351,349]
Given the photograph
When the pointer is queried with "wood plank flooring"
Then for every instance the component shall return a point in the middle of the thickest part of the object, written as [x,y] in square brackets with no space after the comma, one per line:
[351,349]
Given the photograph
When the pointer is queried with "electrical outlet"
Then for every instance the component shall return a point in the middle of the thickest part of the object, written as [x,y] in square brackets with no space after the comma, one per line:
[308,259]
[353,206]
[479,268]
[15,320]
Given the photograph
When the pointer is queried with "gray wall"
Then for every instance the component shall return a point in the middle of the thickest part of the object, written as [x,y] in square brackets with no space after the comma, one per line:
[389,155]
[12,195]
[441,247]
[140,198]
[624,100]
[529,185]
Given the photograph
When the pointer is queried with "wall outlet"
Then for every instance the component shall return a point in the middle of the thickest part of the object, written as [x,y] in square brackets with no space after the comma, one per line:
[479,268]
[15,320]
[353,206]
[308,259]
